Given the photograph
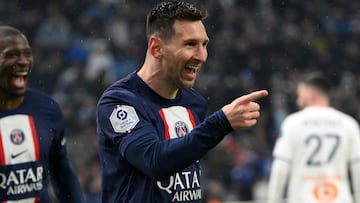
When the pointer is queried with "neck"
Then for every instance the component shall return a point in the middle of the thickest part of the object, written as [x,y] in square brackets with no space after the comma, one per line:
[320,103]
[10,102]
[157,81]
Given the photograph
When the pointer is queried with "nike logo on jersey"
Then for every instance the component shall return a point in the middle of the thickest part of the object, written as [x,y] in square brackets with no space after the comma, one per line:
[13,156]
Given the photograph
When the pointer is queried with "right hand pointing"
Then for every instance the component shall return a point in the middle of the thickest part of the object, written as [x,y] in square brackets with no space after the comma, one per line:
[243,111]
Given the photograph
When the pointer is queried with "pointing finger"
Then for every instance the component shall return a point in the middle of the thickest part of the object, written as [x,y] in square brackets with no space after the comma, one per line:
[253,96]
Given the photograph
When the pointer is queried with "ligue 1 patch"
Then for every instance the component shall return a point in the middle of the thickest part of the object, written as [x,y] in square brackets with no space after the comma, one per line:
[123,119]
[17,136]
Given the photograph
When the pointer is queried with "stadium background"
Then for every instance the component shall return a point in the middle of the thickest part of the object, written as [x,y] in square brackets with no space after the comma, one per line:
[80,47]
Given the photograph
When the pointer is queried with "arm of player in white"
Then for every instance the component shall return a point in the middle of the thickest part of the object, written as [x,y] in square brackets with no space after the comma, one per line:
[355,176]
[278,179]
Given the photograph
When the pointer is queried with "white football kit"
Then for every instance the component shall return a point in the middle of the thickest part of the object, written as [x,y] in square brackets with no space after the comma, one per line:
[312,157]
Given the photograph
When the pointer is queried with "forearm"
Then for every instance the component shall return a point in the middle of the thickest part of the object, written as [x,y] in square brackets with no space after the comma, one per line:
[160,159]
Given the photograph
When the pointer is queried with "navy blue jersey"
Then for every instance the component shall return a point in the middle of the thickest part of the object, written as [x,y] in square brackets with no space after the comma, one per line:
[32,150]
[150,146]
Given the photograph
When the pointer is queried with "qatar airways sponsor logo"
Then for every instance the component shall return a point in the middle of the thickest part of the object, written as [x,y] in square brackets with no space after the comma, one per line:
[21,181]
[183,186]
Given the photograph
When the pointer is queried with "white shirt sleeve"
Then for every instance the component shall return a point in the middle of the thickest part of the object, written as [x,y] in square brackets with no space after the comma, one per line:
[355,163]
[278,180]
[355,178]
[281,165]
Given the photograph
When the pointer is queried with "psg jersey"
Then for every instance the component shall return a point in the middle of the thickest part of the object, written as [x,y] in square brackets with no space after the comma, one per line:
[31,144]
[164,135]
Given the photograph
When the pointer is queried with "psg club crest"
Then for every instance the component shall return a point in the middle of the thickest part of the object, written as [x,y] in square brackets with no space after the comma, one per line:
[17,136]
[181,129]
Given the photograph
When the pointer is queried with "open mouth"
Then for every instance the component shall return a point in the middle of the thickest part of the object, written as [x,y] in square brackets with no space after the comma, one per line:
[20,73]
[19,79]
[191,69]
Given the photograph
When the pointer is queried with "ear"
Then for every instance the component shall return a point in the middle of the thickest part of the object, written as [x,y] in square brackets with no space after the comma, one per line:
[154,45]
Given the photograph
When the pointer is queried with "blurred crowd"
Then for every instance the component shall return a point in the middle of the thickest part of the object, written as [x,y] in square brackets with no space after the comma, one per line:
[81,47]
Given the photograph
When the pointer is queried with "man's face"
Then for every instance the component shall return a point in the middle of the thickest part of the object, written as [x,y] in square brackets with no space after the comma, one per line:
[15,64]
[184,53]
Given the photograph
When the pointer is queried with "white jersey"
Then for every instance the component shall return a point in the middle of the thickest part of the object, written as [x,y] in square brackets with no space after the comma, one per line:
[319,143]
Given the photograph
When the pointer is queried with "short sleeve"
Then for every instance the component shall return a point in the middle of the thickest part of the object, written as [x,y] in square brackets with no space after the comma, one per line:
[284,144]
[355,142]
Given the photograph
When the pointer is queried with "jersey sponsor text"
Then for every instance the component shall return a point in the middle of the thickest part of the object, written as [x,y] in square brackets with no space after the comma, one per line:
[22,181]
[184,186]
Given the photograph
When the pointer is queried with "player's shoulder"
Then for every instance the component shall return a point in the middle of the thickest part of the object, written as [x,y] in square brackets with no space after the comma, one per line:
[41,98]
[40,103]
[307,113]
[122,89]
[342,114]
[293,118]
[345,118]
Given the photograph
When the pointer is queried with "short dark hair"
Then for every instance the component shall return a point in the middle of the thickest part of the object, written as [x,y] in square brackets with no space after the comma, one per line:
[318,81]
[161,18]
[6,30]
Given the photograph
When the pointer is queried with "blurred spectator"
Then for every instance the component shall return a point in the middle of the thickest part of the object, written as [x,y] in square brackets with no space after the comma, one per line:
[54,30]
[100,62]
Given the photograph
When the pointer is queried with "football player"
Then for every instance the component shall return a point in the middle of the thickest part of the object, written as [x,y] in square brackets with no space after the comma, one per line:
[32,144]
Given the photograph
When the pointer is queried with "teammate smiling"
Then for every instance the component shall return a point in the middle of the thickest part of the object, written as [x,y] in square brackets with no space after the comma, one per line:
[32,146]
